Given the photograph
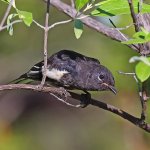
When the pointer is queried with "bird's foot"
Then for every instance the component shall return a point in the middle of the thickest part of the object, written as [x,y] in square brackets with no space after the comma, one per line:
[39,86]
[85,99]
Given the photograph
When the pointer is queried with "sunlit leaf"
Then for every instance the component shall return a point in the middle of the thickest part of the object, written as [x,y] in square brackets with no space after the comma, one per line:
[139,37]
[25,16]
[80,3]
[141,58]
[117,7]
[78,28]
[135,41]
[142,71]
[146,88]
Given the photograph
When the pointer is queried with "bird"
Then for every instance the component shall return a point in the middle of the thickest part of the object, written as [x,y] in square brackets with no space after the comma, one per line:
[72,70]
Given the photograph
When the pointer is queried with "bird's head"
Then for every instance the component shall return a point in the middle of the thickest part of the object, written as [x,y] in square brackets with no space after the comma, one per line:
[101,79]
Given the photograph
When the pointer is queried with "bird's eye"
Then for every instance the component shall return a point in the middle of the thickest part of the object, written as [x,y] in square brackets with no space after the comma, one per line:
[101,76]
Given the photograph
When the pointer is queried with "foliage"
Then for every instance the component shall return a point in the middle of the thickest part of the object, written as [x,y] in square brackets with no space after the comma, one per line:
[142,36]
[113,8]
[80,4]
[142,69]
[117,7]
[25,16]
[78,28]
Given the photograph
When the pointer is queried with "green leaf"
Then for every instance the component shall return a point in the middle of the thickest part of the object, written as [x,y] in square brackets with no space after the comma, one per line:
[117,7]
[146,88]
[141,58]
[78,28]
[145,31]
[80,3]
[139,37]
[142,71]
[25,16]
[134,41]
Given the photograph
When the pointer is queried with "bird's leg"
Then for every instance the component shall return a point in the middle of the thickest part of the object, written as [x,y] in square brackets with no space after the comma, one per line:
[85,99]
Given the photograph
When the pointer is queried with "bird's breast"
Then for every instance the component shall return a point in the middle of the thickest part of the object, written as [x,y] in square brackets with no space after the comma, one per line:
[55,74]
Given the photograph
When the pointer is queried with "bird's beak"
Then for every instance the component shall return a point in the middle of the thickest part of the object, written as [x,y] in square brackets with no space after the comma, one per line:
[111,88]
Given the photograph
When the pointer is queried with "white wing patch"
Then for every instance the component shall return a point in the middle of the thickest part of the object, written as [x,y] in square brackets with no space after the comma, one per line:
[55,73]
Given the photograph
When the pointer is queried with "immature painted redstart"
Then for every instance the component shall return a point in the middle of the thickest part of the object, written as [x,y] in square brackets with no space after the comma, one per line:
[72,70]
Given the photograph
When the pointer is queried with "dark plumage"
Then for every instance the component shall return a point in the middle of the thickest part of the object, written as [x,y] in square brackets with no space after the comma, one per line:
[74,71]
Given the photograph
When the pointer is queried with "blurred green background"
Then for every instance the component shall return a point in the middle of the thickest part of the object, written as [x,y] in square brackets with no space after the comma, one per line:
[30,120]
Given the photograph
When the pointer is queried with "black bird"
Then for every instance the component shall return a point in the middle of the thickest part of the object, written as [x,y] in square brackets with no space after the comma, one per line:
[72,70]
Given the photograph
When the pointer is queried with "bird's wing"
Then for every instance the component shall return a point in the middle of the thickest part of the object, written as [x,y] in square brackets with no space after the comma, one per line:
[66,59]
[36,71]
[62,63]
[72,55]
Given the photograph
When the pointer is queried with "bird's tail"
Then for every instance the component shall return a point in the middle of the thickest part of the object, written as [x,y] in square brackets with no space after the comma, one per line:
[35,73]
[23,79]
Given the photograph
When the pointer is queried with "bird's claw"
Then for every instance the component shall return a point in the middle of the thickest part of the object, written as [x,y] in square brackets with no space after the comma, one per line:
[85,100]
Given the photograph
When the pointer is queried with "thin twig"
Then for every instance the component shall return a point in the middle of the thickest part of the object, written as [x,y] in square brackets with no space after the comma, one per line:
[12,23]
[125,38]
[141,95]
[142,100]
[90,22]
[122,34]
[64,101]
[133,15]
[140,6]
[141,49]
[136,24]
[126,73]
[59,23]
[72,3]
[6,14]
[45,44]
[124,28]
[39,25]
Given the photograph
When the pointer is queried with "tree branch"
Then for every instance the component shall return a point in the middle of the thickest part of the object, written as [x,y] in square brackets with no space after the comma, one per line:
[133,15]
[45,89]
[61,92]
[6,14]
[90,22]
[134,120]
[12,23]
[39,25]
[59,23]
[45,44]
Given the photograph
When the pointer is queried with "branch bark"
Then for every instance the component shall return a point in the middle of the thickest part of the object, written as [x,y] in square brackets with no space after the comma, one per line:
[133,15]
[45,89]
[134,120]
[45,44]
[61,92]
[92,23]
[6,14]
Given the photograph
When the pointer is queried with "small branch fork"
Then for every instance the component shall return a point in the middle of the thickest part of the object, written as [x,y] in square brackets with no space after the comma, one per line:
[133,15]
[137,20]
[141,95]
[45,43]
[6,14]
[46,29]
[66,95]
[90,22]
[142,50]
